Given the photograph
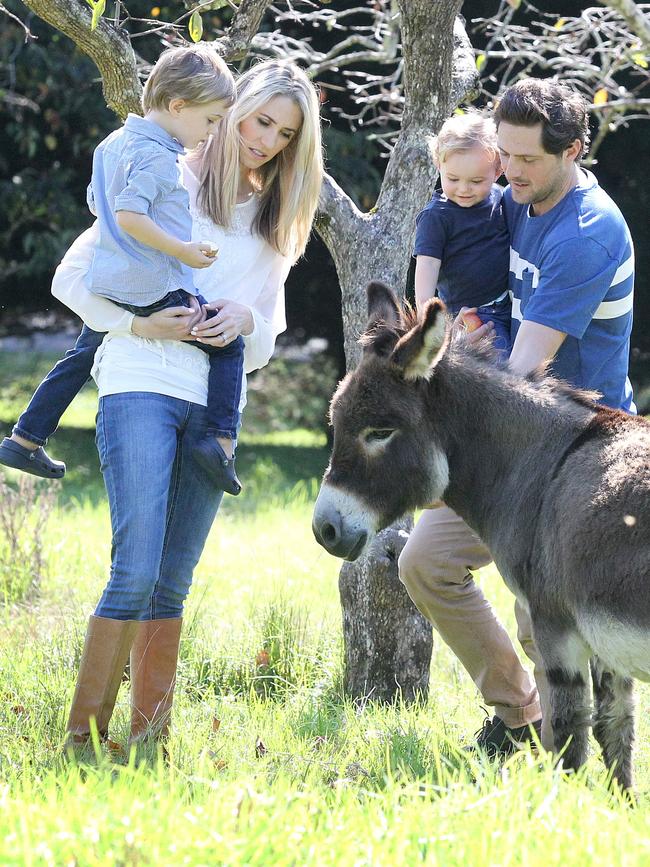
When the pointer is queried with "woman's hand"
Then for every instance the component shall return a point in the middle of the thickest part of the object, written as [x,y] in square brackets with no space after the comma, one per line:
[231,320]
[174,323]
[459,326]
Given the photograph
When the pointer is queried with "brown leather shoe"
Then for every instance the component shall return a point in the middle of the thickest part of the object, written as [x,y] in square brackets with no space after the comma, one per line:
[154,656]
[104,656]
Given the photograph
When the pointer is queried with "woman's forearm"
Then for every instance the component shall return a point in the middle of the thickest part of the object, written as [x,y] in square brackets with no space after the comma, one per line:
[70,286]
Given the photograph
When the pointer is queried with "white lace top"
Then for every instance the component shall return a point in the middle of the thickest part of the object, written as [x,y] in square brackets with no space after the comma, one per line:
[247,270]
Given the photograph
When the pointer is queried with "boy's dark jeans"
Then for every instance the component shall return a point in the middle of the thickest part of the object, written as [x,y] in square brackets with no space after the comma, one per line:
[57,391]
[62,384]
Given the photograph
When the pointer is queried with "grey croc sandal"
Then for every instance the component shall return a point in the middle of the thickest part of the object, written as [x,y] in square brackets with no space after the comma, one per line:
[34,461]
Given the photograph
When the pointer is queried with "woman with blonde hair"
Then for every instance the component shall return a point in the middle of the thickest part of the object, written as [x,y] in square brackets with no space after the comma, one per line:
[253,190]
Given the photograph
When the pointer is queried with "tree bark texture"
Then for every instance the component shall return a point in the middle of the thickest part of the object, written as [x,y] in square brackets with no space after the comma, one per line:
[387,641]
[107,46]
[439,71]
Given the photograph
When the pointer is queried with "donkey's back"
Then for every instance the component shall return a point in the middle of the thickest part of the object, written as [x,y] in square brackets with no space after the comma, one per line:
[590,559]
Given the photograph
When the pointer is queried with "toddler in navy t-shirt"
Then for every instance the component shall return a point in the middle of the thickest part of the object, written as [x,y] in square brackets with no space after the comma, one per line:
[462,244]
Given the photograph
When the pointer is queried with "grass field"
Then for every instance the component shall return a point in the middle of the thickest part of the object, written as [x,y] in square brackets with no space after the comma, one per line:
[268,763]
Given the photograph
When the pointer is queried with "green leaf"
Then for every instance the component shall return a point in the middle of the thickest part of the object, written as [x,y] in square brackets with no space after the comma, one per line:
[195,27]
[480,60]
[98,8]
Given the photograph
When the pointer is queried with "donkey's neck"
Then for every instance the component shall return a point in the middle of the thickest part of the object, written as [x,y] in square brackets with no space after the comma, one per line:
[494,427]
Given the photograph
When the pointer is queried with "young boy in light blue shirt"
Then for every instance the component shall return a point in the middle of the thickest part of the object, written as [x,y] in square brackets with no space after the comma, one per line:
[144,257]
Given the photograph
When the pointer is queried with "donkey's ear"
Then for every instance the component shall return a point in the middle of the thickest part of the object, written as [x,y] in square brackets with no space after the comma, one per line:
[418,352]
[382,305]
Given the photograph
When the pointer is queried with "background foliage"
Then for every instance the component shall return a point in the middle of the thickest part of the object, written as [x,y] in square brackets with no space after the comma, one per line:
[52,115]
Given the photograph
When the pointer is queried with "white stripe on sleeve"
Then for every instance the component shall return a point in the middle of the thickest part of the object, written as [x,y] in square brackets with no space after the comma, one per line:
[614,309]
[624,271]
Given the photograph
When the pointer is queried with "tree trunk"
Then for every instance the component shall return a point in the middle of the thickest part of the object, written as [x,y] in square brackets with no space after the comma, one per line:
[387,641]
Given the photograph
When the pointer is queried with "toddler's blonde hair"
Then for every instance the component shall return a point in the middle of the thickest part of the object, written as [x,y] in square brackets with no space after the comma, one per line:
[472,129]
[194,73]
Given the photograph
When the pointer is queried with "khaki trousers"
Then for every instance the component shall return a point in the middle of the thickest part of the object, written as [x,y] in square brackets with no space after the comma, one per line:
[435,568]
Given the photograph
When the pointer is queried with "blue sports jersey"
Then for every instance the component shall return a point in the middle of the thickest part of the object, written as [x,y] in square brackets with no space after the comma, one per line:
[572,269]
[472,245]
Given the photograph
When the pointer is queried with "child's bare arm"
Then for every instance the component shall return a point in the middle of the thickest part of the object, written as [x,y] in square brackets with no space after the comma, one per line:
[143,229]
[427,270]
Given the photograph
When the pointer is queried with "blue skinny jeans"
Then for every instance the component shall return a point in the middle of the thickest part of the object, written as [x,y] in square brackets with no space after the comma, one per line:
[161,505]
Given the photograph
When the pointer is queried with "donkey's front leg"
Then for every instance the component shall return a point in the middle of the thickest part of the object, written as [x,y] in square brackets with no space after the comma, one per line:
[566,661]
[614,720]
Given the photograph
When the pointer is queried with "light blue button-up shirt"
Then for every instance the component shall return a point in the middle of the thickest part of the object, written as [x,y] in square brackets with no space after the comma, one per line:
[136,169]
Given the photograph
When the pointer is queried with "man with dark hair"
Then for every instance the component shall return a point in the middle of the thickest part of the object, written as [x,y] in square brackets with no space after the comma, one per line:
[571,254]
[571,280]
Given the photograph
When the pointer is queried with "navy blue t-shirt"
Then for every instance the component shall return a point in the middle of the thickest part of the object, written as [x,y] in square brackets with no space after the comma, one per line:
[472,245]
[572,269]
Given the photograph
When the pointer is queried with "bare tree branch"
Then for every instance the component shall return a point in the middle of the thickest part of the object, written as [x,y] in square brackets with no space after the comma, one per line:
[236,42]
[16,19]
[338,216]
[108,46]
[637,20]
[597,53]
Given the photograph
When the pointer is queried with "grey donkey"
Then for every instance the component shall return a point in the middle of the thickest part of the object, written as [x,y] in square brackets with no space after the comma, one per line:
[556,485]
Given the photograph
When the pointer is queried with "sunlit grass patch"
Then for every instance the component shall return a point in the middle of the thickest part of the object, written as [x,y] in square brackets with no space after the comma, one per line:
[268,762]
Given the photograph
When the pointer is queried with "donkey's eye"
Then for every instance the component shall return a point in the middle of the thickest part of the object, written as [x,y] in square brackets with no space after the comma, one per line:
[378,435]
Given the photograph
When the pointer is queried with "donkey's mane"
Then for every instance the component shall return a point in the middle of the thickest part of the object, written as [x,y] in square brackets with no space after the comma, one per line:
[382,335]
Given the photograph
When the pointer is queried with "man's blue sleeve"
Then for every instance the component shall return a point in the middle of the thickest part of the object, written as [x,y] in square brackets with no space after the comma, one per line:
[430,234]
[575,277]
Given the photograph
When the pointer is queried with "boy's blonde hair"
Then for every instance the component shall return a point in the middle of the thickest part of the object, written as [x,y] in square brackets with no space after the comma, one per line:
[289,185]
[462,132]
[194,73]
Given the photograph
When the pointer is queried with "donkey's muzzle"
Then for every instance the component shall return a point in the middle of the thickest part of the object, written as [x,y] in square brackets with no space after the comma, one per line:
[331,532]
[328,534]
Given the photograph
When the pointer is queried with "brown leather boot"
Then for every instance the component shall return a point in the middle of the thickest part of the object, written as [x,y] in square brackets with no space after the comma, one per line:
[154,656]
[104,656]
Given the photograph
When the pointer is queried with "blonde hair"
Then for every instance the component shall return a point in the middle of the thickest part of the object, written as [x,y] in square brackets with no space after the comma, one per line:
[194,73]
[462,132]
[289,184]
